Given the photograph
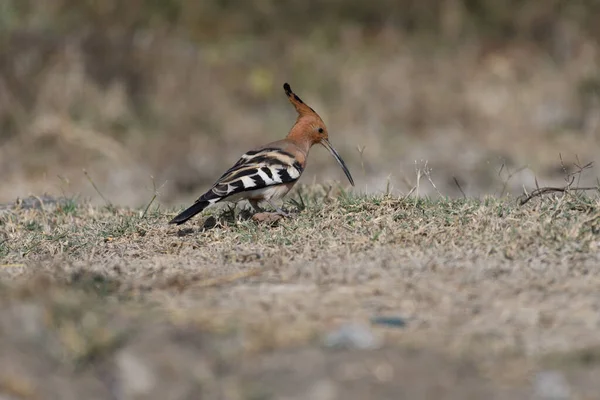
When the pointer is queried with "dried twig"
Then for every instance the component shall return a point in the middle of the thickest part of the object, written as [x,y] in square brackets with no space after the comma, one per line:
[569,178]
[388,186]
[427,172]
[407,195]
[361,151]
[578,172]
[545,190]
[540,191]
[89,178]
[418,172]
[581,168]
[459,187]
[154,196]
[509,177]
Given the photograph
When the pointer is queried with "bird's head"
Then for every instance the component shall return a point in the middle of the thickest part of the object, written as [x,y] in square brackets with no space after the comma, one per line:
[310,128]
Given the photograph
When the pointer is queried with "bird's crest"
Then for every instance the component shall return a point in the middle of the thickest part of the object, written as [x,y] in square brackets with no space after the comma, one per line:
[301,107]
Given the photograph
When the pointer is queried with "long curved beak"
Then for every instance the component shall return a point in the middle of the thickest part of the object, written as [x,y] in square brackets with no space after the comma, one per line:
[328,146]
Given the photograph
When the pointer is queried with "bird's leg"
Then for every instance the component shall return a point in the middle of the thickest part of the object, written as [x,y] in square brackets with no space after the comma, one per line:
[255,206]
[279,210]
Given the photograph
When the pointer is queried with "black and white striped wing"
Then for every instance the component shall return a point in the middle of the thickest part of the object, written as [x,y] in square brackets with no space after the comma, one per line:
[255,170]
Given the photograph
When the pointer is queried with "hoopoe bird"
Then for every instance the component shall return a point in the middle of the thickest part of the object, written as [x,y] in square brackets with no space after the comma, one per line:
[268,172]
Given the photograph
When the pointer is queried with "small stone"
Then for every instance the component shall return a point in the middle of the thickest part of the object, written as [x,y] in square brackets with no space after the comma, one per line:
[355,336]
[30,319]
[551,385]
[323,390]
[137,379]
[395,322]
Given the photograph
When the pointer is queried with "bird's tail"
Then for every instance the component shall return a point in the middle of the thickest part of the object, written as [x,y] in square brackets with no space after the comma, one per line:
[185,215]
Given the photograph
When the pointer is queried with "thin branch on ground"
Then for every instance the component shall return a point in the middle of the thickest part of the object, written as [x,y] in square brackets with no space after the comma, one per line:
[545,190]
[540,191]
[570,178]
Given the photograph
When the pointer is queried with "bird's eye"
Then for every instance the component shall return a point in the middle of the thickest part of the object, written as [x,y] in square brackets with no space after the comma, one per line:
[320,130]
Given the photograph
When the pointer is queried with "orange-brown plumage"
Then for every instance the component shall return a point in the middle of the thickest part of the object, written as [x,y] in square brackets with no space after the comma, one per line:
[268,172]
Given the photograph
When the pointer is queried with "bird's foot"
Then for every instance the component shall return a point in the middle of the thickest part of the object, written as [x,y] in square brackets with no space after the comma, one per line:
[279,210]
[255,206]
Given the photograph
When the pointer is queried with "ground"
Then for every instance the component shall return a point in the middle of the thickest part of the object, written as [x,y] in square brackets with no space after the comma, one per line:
[429,279]
[352,297]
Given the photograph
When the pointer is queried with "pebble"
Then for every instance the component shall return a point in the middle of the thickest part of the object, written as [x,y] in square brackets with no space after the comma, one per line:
[395,322]
[551,385]
[353,336]
[137,379]
[323,390]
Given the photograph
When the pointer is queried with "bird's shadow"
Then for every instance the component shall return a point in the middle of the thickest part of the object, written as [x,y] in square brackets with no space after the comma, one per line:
[208,224]
[225,217]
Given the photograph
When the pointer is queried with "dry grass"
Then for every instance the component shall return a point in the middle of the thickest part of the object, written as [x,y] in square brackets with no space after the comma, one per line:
[127,92]
[138,104]
[483,283]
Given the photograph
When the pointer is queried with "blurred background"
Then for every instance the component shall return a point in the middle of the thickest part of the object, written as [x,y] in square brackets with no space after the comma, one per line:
[171,92]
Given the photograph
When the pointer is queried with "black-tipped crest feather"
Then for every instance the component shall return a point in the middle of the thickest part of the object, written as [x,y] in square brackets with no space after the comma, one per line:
[287,88]
[301,107]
